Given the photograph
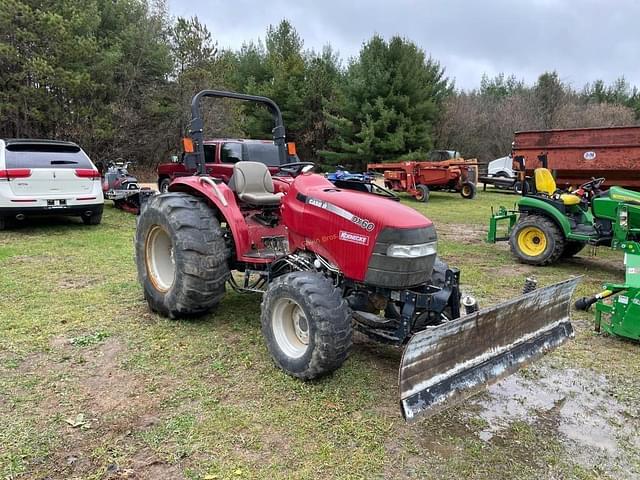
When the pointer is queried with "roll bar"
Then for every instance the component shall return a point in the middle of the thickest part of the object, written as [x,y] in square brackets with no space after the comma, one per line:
[196,126]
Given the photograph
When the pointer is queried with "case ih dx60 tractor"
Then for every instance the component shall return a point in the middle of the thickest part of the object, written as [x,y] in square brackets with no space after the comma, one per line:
[328,260]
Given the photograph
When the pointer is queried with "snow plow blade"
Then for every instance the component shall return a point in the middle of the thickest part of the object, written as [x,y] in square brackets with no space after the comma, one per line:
[445,364]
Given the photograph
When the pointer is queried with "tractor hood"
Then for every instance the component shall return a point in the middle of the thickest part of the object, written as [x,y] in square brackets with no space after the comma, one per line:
[369,238]
[367,207]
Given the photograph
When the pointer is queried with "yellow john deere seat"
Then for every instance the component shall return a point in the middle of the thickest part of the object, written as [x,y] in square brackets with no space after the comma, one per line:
[547,185]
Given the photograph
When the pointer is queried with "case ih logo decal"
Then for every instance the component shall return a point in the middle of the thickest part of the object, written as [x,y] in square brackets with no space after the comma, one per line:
[361,222]
[354,238]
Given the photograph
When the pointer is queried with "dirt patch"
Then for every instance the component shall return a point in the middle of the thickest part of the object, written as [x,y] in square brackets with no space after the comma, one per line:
[29,259]
[593,426]
[110,389]
[144,465]
[76,282]
[461,233]
[113,402]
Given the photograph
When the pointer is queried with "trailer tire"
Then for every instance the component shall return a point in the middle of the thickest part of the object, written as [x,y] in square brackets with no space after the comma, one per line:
[572,248]
[181,255]
[517,187]
[468,190]
[306,324]
[422,194]
[536,240]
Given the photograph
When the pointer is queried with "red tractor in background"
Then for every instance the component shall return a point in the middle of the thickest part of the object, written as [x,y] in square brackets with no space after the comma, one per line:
[326,261]
[445,170]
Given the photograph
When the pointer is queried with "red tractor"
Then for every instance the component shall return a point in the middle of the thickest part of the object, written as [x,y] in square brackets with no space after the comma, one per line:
[327,261]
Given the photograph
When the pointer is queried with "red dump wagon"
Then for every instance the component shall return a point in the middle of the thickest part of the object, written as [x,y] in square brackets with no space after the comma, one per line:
[577,155]
[445,171]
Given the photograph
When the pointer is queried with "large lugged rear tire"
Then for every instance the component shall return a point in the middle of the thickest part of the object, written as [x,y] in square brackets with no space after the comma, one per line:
[181,255]
[536,240]
[306,324]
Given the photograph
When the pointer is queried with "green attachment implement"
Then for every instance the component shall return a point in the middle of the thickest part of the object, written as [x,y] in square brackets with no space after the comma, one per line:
[496,224]
[617,310]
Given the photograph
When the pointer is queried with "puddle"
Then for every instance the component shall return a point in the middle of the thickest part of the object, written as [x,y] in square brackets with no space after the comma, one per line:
[593,425]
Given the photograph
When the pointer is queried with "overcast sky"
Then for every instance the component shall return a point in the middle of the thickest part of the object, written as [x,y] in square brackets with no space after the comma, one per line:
[583,40]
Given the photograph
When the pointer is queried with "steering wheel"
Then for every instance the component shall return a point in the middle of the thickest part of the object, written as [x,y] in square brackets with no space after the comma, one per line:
[296,168]
[593,184]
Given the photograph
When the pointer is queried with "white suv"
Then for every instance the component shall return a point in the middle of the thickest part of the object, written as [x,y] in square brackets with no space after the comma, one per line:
[48,177]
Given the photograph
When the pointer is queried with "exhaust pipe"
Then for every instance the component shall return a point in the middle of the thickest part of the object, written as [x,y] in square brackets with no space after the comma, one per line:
[20,216]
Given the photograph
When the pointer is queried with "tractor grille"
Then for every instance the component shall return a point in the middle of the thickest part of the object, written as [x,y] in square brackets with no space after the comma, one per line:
[393,272]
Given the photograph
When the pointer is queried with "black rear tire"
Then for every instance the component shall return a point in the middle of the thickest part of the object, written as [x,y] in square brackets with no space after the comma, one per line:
[93,219]
[199,251]
[3,223]
[423,193]
[572,248]
[327,319]
[468,190]
[547,234]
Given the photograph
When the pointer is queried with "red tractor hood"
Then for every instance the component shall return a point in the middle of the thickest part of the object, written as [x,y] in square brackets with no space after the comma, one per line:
[353,229]
[376,209]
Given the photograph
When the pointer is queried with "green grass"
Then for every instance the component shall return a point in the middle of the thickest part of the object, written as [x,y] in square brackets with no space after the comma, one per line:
[202,399]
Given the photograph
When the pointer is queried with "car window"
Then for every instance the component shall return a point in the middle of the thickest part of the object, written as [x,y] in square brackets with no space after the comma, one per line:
[46,156]
[209,154]
[266,153]
[231,152]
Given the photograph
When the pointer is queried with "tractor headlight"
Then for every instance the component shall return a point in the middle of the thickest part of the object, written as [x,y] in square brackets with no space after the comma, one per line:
[412,251]
[623,218]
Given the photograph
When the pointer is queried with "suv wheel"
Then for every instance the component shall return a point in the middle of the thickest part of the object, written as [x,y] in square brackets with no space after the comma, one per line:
[93,219]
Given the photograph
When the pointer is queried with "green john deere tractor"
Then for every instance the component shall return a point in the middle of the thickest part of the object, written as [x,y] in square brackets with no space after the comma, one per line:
[550,224]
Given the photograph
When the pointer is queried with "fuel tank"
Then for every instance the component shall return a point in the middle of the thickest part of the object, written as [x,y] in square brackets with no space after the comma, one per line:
[369,238]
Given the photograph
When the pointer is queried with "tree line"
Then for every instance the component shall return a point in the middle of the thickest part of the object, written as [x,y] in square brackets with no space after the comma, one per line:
[117,76]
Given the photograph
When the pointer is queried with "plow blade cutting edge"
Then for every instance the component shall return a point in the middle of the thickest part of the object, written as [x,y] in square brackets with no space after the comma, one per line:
[445,364]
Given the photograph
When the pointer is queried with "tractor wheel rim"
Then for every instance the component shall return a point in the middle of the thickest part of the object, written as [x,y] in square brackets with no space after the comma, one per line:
[290,327]
[159,257]
[466,190]
[532,241]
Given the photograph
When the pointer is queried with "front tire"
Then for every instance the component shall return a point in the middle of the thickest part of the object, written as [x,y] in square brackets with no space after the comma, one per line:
[536,240]
[181,255]
[306,324]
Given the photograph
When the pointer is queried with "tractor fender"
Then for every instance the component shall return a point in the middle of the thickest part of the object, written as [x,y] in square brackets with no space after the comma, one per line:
[224,201]
[530,204]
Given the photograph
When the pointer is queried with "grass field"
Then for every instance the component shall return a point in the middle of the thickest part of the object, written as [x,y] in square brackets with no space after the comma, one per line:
[94,386]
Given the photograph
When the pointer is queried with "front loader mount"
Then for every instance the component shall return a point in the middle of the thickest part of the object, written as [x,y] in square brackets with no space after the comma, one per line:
[449,362]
